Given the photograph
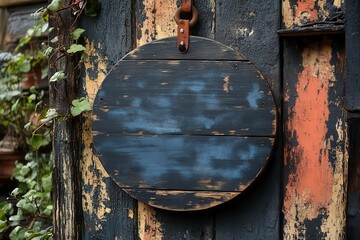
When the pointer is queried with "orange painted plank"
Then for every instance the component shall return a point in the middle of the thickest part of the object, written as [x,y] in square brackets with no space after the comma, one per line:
[315,157]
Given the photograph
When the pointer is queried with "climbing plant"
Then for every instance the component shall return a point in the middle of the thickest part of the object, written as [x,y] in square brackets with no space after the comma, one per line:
[27,213]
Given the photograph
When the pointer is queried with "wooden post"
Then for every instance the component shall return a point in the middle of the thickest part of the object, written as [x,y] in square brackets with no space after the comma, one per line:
[66,134]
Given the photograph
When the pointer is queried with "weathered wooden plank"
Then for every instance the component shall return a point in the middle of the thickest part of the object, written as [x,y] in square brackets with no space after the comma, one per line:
[176,120]
[197,162]
[353,205]
[352,39]
[67,218]
[315,139]
[177,200]
[204,98]
[108,212]
[200,49]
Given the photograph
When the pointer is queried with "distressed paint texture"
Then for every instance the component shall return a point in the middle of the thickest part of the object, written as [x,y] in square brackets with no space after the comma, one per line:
[158,21]
[148,227]
[314,151]
[300,12]
[94,189]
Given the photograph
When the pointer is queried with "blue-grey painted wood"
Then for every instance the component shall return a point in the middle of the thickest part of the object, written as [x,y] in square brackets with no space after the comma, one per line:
[194,163]
[184,97]
[200,49]
[164,121]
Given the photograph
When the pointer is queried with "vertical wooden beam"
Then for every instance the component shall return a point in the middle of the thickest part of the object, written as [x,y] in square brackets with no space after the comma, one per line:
[108,212]
[67,205]
[315,139]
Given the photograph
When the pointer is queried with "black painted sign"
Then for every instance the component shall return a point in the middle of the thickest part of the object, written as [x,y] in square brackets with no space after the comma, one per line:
[184,131]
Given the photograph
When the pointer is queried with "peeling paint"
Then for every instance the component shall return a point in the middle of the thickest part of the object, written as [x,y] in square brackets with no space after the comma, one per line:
[149,227]
[315,189]
[159,20]
[297,13]
[226,84]
[94,190]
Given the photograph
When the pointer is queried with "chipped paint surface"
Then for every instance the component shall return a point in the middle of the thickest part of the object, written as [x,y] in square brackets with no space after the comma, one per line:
[159,21]
[149,227]
[297,13]
[95,194]
[315,189]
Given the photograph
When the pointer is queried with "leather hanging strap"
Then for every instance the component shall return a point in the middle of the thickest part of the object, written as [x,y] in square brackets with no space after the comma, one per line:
[187,8]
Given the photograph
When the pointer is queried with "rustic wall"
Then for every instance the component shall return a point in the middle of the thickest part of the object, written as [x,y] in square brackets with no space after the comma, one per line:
[109,213]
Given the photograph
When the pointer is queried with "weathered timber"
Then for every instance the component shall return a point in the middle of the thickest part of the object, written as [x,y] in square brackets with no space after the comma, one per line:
[201,49]
[66,134]
[108,211]
[315,138]
[194,99]
[352,39]
[186,97]
[300,13]
[197,162]
[326,29]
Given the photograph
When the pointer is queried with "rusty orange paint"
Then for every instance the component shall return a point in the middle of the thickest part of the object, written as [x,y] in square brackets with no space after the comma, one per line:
[306,10]
[309,190]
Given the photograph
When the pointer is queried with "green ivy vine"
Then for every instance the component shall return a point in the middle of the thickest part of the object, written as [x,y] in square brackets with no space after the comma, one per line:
[27,213]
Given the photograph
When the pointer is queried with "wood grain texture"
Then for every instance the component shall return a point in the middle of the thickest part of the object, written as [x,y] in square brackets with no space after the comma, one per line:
[66,155]
[201,49]
[197,163]
[108,212]
[184,97]
[315,138]
[202,102]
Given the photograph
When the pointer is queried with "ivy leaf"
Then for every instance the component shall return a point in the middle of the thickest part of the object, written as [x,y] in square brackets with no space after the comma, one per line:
[15,192]
[55,5]
[3,226]
[77,33]
[76,48]
[60,75]
[79,106]
[46,182]
[26,206]
[17,233]
[37,141]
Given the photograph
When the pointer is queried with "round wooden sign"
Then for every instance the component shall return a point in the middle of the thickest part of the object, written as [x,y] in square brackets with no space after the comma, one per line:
[184,131]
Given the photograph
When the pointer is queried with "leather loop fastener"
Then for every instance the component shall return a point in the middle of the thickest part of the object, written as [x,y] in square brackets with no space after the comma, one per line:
[183,35]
